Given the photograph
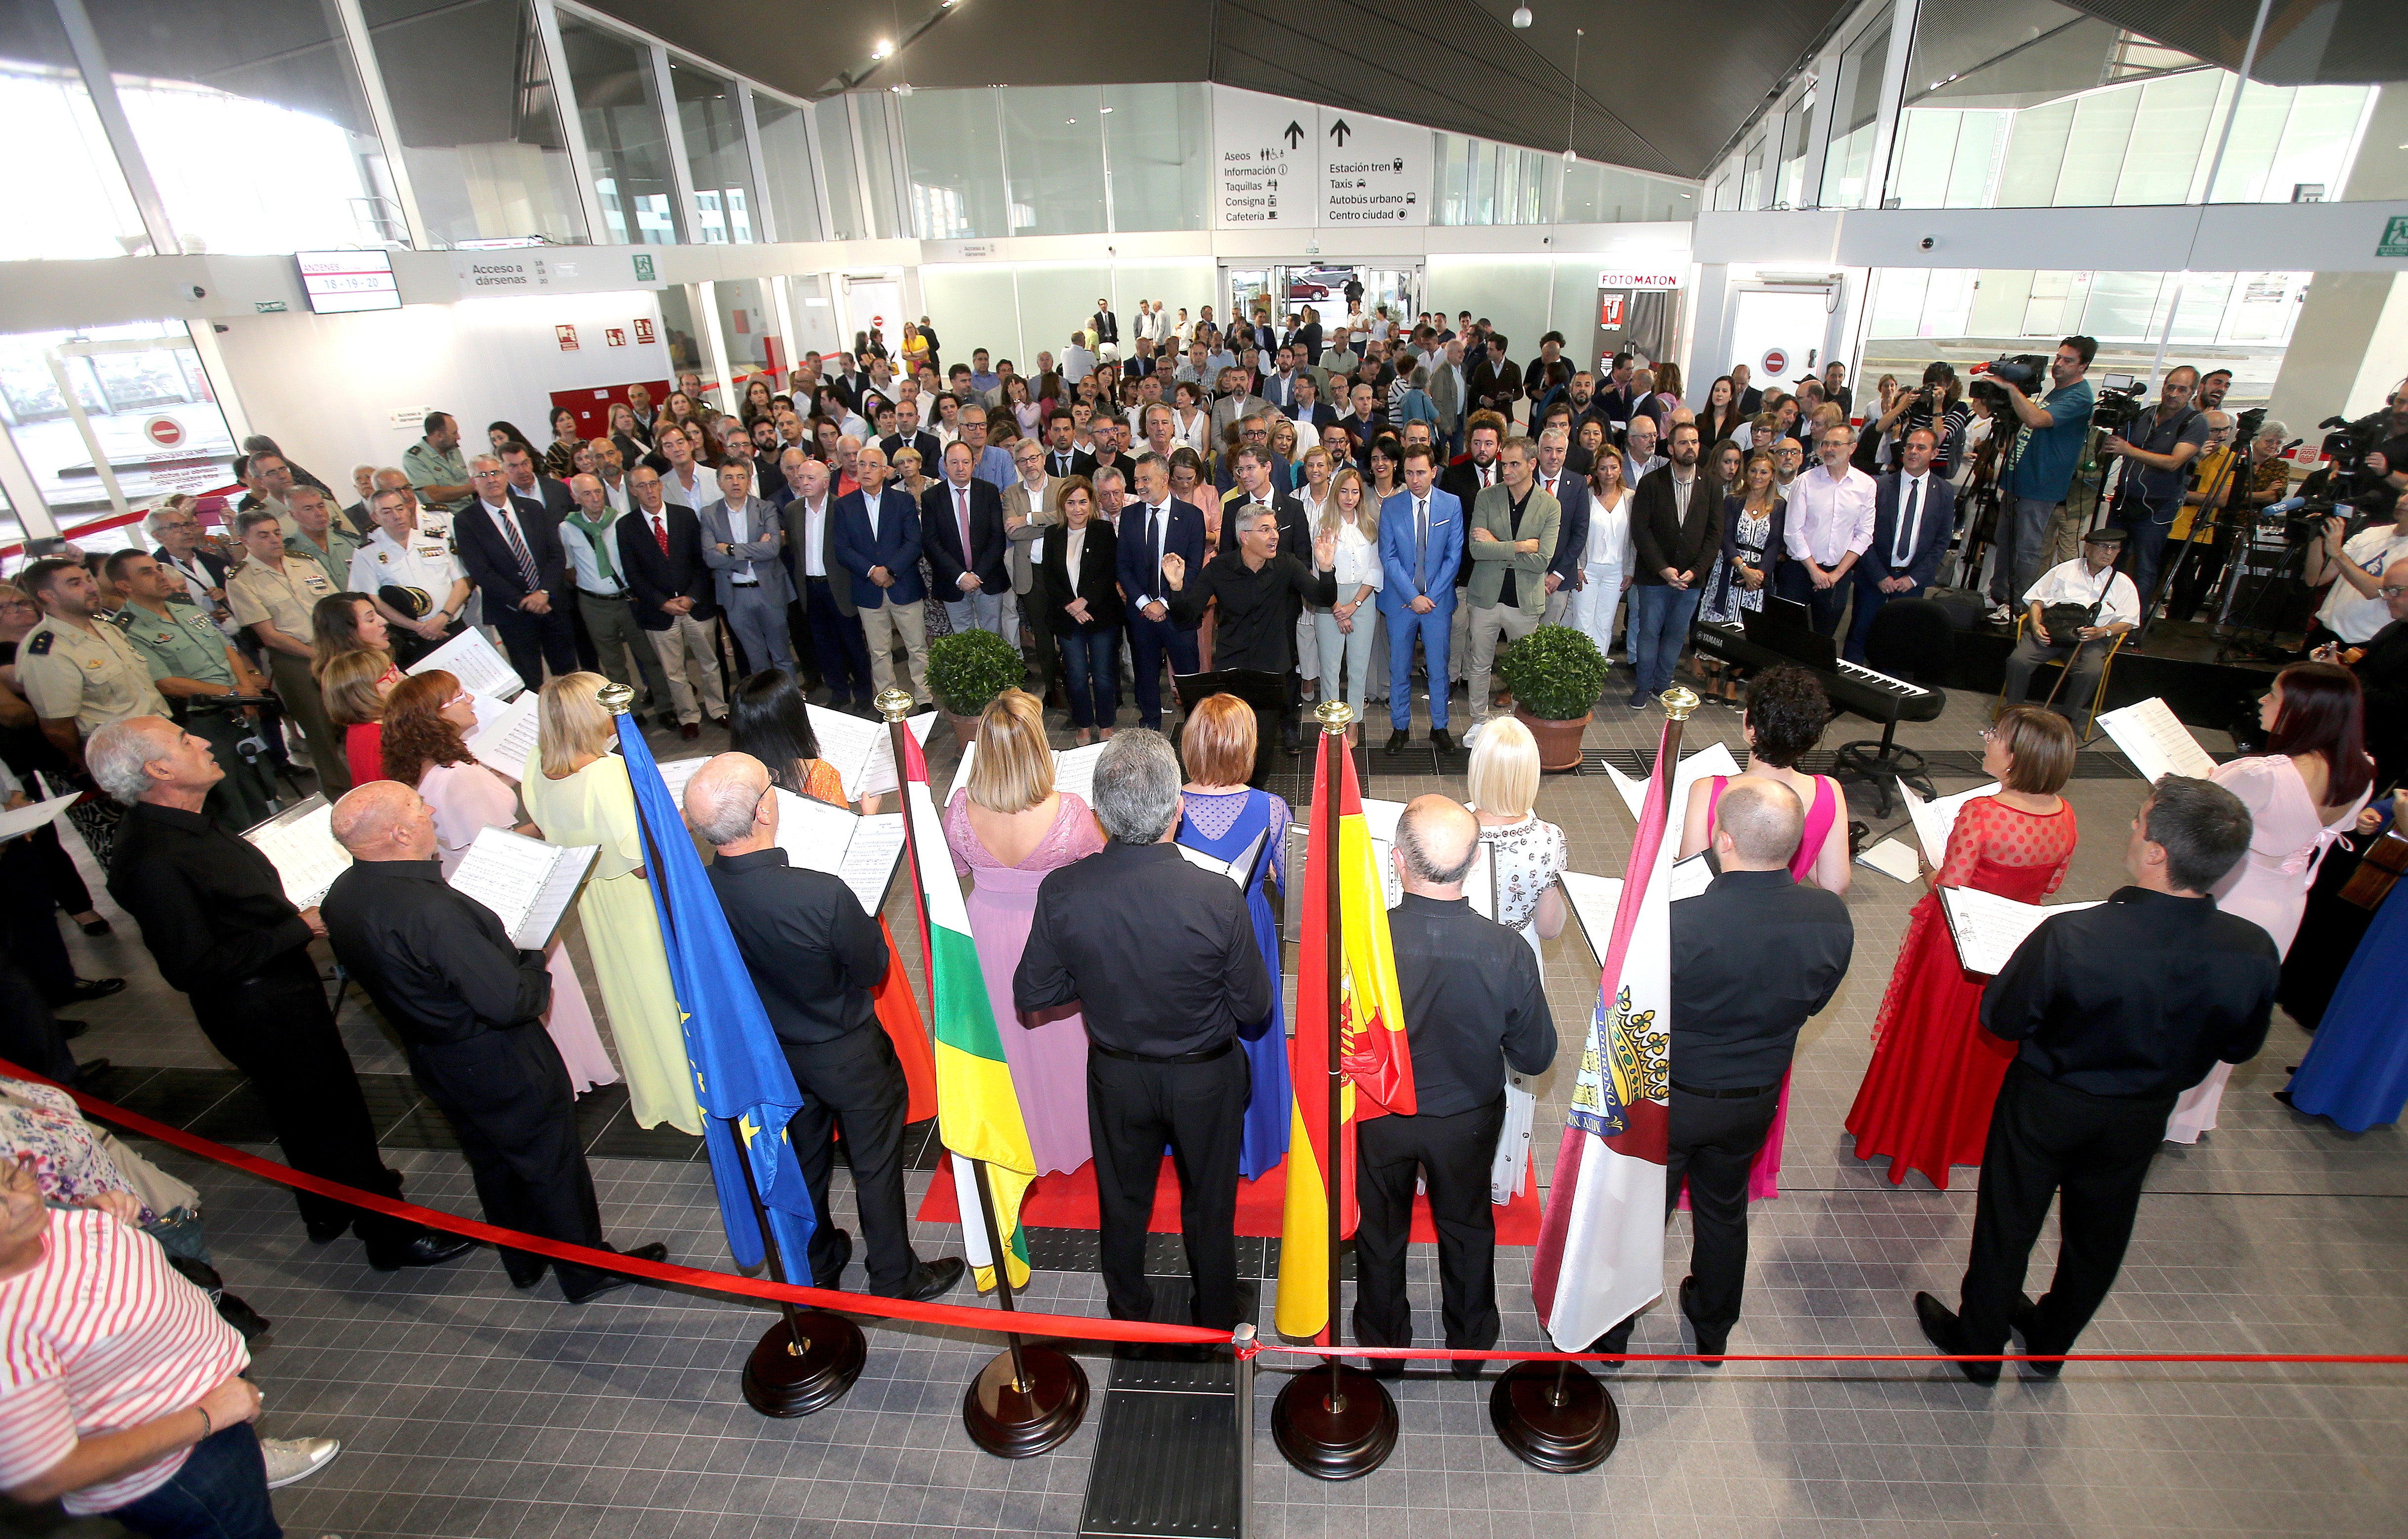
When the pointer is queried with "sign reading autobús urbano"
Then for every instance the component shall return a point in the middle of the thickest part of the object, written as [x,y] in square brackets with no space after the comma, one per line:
[1373,171]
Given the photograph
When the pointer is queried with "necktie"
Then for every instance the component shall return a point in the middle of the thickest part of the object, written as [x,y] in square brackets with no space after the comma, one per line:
[1488,477]
[1420,543]
[962,514]
[1903,541]
[517,549]
[1154,522]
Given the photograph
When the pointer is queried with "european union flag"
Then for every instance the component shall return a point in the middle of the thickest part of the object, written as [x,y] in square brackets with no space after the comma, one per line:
[739,1074]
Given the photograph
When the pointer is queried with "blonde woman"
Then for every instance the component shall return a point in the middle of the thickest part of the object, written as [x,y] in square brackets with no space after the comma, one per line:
[1526,856]
[1344,631]
[576,792]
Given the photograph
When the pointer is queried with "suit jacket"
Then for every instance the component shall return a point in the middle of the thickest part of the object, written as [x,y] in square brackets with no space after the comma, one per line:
[1542,520]
[942,540]
[1081,464]
[1462,479]
[653,578]
[762,523]
[1229,408]
[1447,398]
[1688,544]
[1095,580]
[1311,419]
[1398,552]
[1281,393]
[2383,674]
[932,454]
[795,521]
[1296,535]
[895,546]
[1572,532]
[1184,537]
[1036,521]
[1494,386]
[486,556]
[556,497]
[1224,474]
[1936,522]
[1751,401]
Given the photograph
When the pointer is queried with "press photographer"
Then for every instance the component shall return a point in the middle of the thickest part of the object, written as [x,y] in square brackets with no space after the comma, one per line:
[2353,565]
[2038,465]
[1938,406]
[2149,495]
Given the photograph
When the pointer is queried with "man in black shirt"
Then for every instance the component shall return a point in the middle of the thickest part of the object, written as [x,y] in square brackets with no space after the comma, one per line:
[817,959]
[2381,669]
[1473,1002]
[2119,1009]
[1258,587]
[1736,1013]
[1166,985]
[214,914]
[469,1007]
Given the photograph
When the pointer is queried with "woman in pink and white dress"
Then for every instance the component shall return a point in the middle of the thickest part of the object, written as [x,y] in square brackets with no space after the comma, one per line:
[2305,792]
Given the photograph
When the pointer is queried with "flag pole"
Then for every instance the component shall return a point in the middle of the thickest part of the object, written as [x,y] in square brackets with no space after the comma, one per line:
[1031,1395]
[1328,1424]
[1565,1421]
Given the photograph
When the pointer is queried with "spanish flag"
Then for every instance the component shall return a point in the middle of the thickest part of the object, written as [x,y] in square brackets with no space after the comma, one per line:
[978,1112]
[1378,1064]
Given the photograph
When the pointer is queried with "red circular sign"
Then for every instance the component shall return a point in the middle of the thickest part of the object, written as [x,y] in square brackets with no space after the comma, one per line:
[1776,362]
[877,321]
[166,432]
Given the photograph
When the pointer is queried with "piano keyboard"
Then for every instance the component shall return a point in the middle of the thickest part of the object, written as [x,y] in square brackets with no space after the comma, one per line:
[1853,687]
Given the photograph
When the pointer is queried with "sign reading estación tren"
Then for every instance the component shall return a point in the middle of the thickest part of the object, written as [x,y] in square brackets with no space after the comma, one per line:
[1280,164]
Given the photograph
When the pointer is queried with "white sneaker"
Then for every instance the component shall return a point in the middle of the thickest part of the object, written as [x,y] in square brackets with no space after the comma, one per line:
[1472,735]
[291,1459]
[2001,615]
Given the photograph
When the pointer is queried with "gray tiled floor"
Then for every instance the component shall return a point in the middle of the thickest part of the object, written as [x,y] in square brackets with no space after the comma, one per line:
[468,1409]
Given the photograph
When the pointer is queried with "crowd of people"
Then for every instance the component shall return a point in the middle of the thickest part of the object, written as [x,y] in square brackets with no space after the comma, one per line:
[1105,515]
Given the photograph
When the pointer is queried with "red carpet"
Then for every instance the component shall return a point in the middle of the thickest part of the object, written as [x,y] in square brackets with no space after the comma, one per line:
[1067,1202]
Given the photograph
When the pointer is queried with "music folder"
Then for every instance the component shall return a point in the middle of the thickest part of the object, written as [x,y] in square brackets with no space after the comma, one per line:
[300,843]
[527,883]
[1987,929]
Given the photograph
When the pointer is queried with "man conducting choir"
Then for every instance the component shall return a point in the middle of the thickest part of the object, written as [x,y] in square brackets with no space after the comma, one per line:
[1260,588]
[2119,1008]
[469,1007]
[817,959]
[1474,1002]
[1166,983]
[1737,1010]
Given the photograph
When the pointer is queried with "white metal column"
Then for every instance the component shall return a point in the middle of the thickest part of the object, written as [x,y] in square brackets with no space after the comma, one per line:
[680,173]
[572,129]
[704,298]
[388,128]
[1903,21]
[102,88]
[764,218]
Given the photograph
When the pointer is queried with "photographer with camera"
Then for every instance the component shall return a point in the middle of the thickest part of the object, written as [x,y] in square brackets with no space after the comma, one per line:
[2388,460]
[2038,465]
[2149,495]
[2354,566]
[2076,610]
[1936,406]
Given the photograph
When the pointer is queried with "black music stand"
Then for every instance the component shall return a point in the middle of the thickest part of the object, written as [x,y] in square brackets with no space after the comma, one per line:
[1267,692]
[1910,638]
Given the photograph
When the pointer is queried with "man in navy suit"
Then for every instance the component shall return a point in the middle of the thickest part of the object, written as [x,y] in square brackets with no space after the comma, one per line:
[1307,410]
[1570,492]
[1155,526]
[1914,511]
[961,526]
[511,549]
[1421,542]
[875,535]
[741,537]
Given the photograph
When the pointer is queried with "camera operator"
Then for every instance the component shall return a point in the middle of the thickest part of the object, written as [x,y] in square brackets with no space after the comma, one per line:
[2150,495]
[2201,534]
[1938,406]
[2389,458]
[2355,610]
[2038,469]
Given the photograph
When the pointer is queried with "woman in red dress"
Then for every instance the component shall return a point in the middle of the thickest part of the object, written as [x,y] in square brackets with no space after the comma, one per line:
[1926,1094]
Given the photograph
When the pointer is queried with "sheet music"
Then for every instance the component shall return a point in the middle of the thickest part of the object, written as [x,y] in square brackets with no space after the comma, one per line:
[1934,820]
[301,846]
[1237,871]
[1593,899]
[676,773]
[2157,743]
[471,659]
[1893,859]
[1074,770]
[870,857]
[1988,928]
[527,883]
[1712,759]
[1690,877]
[504,743]
[860,851]
[24,820]
[862,751]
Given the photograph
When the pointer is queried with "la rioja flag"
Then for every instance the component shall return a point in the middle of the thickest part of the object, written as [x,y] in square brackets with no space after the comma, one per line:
[1601,1256]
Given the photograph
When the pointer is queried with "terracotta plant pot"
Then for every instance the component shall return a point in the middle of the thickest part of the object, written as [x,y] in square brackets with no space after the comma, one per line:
[1559,742]
[964,727]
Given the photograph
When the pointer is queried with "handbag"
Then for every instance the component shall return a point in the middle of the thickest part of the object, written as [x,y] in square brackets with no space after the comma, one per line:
[2064,621]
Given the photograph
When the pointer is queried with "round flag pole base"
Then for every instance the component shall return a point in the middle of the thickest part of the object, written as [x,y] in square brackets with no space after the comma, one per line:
[1020,1420]
[1340,1437]
[784,1379]
[1555,1416]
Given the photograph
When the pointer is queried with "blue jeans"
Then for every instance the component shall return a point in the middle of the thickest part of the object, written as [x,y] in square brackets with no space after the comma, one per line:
[1090,674]
[220,1493]
[1660,628]
[2144,546]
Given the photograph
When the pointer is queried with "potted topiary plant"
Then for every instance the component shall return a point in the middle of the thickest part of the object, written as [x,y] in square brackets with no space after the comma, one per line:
[967,670]
[1556,673]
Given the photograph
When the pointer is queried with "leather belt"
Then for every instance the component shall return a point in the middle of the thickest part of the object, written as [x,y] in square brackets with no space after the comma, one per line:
[1727,1095]
[1205,1057]
[744,582]
[591,594]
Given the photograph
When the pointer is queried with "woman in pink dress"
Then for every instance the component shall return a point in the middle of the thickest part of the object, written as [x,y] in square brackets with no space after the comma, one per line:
[1007,829]
[424,720]
[1786,712]
[2305,792]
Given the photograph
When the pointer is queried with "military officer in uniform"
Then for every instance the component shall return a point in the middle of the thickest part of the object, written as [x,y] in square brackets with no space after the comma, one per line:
[78,673]
[273,593]
[411,577]
[192,665]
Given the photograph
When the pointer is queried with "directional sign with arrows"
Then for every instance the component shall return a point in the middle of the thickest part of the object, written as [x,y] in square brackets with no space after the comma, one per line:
[1278,164]
[1339,131]
[1293,133]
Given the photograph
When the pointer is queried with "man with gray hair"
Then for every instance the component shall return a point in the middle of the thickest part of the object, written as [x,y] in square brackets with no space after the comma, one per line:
[1168,985]
[817,958]
[603,595]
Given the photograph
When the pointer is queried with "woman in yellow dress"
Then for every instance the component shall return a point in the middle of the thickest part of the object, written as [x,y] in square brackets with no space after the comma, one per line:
[576,792]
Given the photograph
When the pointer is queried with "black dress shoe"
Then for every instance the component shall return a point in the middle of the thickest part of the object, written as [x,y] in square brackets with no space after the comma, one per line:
[600,1283]
[1708,1347]
[89,1070]
[1397,742]
[525,1269]
[240,1315]
[2020,1320]
[431,1248]
[1939,1327]
[1440,741]
[69,1031]
[1465,1368]
[832,1275]
[690,730]
[1387,1368]
[1616,1340]
[325,1230]
[933,1279]
[1291,741]
[718,722]
[88,989]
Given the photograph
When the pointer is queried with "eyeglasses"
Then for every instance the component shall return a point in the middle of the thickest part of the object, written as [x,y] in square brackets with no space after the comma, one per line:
[464,697]
[1990,733]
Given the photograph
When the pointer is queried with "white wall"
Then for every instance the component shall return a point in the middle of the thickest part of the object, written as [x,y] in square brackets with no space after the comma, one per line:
[329,388]
[1015,309]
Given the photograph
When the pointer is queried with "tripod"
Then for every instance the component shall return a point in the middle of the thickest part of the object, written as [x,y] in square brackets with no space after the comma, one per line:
[2212,504]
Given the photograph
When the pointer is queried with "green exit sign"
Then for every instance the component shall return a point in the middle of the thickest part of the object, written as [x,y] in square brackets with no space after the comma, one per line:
[644,269]
[268,306]
[2395,238]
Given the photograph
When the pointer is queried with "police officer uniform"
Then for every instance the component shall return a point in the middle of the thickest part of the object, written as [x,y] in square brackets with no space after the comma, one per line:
[284,599]
[395,571]
[94,675]
[185,644]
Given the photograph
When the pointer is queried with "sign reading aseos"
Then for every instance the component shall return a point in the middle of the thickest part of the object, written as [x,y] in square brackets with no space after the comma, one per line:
[1283,165]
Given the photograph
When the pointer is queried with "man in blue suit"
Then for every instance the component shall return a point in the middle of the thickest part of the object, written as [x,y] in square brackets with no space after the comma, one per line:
[875,535]
[741,536]
[1421,541]
[1570,491]
[1914,511]
[1155,525]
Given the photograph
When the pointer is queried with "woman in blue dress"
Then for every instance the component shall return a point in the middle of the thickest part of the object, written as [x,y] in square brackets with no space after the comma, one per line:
[2356,1070]
[1220,816]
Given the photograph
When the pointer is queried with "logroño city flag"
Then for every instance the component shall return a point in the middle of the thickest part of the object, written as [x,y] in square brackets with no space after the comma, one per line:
[1378,1064]
[1601,1256]
[978,1112]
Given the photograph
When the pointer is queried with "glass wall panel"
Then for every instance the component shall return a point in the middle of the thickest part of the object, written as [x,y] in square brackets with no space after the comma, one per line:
[251,120]
[749,326]
[680,330]
[786,161]
[1451,155]
[480,121]
[1789,191]
[119,393]
[1053,156]
[956,165]
[65,166]
[1752,189]
[837,163]
[1158,141]
[887,220]
[619,103]
[1856,107]
[814,313]
[711,122]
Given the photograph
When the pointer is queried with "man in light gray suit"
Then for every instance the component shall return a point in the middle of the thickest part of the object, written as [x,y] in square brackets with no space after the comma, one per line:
[740,538]
[1236,402]
[1032,504]
[1446,393]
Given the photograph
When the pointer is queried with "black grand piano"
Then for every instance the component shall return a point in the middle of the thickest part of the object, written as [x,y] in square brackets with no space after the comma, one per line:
[1783,632]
